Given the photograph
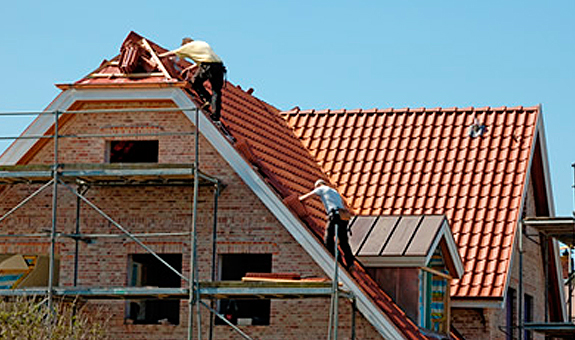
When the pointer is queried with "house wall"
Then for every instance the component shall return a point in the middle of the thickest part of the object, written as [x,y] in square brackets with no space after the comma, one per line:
[245,225]
[402,285]
[491,323]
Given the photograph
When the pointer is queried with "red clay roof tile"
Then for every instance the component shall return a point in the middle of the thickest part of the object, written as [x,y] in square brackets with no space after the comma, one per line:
[431,164]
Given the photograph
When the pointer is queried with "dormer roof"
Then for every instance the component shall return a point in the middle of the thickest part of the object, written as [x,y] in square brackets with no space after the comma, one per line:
[404,241]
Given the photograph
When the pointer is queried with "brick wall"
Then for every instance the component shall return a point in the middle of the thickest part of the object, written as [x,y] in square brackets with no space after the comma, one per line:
[491,323]
[244,226]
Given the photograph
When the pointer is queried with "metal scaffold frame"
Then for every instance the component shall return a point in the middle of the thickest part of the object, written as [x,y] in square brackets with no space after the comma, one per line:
[563,230]
[85,176]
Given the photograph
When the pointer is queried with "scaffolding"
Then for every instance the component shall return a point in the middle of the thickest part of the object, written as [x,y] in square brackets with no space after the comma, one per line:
[563,230]
[85,176]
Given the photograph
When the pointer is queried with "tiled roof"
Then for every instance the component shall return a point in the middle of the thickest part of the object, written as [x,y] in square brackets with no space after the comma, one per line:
[423,161]
[289,165]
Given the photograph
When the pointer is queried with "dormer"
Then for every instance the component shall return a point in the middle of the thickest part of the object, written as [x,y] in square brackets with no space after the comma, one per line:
[413,259]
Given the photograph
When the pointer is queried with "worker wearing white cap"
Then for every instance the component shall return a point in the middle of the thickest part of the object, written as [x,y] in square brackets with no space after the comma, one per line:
[337,214]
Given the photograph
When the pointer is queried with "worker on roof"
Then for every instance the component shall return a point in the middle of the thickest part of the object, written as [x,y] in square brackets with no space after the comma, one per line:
[209,67]
[337,214]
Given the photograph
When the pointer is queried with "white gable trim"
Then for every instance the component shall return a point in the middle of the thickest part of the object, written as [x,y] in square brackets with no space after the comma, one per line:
[293,225]
[447,235]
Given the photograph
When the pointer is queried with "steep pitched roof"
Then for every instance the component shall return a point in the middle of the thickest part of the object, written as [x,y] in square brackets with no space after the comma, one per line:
[264,140]
[424,161]
[292,171]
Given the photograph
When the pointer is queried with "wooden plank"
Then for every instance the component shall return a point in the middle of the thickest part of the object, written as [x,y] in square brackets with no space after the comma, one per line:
[360,228]
[379,236]
[125,75]
[403,233]
[436,272]
[156,59]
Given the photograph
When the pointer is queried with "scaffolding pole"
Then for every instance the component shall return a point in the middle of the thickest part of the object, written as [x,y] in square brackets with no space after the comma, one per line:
[54,216]
[333,311]
[26,200]
[56,180]
[194,293]
[214,254]
[124,230]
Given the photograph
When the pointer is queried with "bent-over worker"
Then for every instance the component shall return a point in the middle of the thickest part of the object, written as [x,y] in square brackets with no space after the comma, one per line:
[209,67]
[337,214]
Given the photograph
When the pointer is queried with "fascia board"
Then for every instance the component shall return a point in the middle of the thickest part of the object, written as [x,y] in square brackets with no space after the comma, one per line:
[476,303]
[518,224]
[540,131]
[444,232]
[545,160]
[292,224]
[392,261]
[453,250]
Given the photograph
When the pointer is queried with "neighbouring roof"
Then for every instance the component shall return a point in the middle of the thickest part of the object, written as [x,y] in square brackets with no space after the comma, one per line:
[424,161]
[403,241]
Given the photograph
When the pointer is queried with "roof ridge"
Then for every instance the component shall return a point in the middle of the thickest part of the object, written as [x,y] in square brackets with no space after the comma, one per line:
[422,109]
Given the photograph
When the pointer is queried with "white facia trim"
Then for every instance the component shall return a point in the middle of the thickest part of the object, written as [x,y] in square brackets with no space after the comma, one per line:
[453,249]
[465,303]
[392,261]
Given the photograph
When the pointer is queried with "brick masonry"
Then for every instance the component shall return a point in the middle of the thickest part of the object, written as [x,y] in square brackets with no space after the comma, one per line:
[245,225]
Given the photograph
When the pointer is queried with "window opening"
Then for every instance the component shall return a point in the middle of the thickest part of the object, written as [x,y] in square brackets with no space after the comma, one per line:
[510,313]
[146,271]
[528,335]
[133,151]
[244,312]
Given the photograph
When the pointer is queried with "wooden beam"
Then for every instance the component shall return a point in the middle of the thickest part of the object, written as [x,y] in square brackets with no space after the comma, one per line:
[436,272]
[156,59]
[125,75]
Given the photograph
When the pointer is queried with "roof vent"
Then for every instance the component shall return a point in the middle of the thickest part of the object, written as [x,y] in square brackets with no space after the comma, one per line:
[477,129]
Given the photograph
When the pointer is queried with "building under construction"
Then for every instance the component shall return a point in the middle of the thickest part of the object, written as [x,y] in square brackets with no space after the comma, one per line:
[124,194]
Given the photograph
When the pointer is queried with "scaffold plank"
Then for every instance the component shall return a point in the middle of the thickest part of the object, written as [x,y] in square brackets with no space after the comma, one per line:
[208,290]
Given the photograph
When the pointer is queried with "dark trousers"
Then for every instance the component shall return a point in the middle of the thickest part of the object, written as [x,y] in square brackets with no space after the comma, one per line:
[329,237]
[214,72]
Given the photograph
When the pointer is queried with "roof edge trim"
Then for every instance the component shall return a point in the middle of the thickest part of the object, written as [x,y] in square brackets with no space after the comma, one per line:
[159,84]
[477,303]
[379,261]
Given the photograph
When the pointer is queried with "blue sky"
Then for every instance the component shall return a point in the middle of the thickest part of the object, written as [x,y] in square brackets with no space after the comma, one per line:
[321,54]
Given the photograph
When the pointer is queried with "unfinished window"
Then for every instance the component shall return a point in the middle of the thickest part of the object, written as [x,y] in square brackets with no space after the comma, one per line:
[510,313]
[244,312]
[528,301]
[146,271]
[133,151]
